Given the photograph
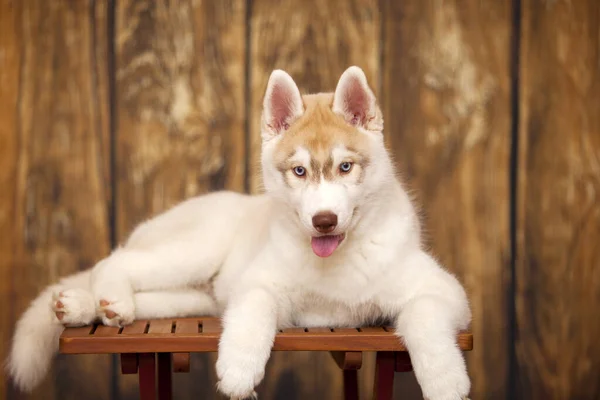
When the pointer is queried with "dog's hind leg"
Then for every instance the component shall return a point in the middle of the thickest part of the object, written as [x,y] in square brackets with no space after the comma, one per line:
[181,248]
[75,306]
[179,263]
[174,304]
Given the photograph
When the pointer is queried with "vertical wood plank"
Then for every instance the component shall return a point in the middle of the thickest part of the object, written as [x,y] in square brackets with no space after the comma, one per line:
[180,70]
[446,91]
[54,163]
[315,42]
[10,59]
[558,231]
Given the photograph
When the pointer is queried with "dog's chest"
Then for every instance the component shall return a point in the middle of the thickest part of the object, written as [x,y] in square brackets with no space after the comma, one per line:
[314,310]
[351,280]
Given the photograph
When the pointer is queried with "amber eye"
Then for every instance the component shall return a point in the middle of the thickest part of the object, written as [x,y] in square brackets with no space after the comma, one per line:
[299,171]
[345,167]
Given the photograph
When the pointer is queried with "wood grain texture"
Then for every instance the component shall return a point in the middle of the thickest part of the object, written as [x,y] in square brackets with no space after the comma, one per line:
[314,41]
[180,71]
[10,57]
[558,268]
[54,165]
[447,116]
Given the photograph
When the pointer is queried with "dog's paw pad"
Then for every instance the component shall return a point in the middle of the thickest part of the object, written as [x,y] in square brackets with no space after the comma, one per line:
[116,313]
[73,307]
[58,309]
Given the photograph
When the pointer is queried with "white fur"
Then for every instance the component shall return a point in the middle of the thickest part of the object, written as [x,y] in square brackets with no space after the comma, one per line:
[248,258]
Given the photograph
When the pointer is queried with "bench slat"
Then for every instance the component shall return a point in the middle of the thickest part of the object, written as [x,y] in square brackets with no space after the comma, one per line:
[211,325]
[187,326]
[77,332]
[137,328]
[374,329]
[160,326]
[106,331]
[293,330]
[345,331]
[319,330]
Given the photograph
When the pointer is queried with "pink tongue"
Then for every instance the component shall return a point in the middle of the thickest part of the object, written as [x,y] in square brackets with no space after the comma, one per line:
[324,246]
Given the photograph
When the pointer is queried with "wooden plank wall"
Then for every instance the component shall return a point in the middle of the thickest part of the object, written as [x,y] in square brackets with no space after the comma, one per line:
[179,109]
[54,159]
[447,109]
[558,229]
[112,111]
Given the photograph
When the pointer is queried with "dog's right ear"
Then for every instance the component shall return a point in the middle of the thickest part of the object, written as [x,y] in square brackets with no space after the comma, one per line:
[282,104]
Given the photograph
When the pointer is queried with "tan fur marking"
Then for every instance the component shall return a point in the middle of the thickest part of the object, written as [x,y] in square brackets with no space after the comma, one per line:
[286,178]
[319,130]
[359,158]
[315,171]
[328,169]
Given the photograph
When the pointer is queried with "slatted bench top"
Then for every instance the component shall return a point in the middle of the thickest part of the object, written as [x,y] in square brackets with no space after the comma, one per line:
[184,335]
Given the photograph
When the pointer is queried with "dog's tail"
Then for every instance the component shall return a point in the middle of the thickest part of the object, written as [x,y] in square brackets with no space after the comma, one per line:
[35,341]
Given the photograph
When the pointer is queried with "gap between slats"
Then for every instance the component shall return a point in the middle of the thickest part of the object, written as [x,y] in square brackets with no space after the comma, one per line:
[199,326]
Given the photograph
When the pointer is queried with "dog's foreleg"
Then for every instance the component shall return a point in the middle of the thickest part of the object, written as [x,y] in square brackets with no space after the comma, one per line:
[249,327]
[429,323]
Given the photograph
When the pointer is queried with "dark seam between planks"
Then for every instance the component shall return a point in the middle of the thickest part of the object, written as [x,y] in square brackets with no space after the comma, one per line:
[112,115]
[515,63]
[247,97]
[382,36]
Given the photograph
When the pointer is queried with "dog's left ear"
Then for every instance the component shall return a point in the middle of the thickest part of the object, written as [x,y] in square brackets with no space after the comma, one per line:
[355,101]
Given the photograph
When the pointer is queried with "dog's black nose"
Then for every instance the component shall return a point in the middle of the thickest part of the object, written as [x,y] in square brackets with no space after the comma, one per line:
[325,222]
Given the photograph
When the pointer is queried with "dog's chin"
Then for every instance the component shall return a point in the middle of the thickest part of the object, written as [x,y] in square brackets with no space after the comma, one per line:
[325,245]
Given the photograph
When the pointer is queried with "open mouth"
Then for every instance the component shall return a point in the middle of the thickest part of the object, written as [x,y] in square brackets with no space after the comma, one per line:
[324,246]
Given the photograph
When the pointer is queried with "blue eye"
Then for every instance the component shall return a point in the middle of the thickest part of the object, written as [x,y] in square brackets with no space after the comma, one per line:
[345,167]
[299,171]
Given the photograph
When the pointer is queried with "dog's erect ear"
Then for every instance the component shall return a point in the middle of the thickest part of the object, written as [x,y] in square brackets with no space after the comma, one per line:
[355,101]
[282,104]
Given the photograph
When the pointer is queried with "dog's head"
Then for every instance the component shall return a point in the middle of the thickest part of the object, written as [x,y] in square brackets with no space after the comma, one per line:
[324,154]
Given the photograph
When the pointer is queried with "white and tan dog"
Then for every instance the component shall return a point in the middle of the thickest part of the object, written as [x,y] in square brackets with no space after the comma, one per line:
[335,241]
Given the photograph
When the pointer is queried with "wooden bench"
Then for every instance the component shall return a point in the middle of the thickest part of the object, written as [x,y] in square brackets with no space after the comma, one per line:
[156,347]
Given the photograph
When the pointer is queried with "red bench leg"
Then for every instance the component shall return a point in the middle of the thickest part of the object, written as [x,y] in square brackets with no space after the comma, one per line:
[403,363]
[350,384]
[147,376]
[164,376]
[384,376]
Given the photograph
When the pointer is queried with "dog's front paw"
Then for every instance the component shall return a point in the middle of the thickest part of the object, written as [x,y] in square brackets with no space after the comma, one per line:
[238,376]
[444,377]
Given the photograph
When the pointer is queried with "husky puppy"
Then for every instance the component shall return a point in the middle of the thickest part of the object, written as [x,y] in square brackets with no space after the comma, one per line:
[334,241]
